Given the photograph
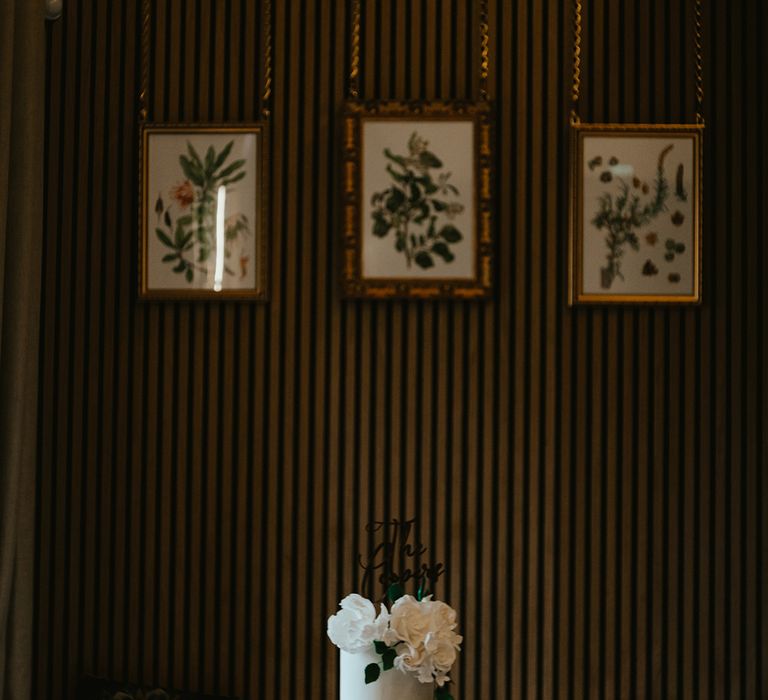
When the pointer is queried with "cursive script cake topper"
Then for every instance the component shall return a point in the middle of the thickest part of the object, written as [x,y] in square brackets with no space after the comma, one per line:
[387,562]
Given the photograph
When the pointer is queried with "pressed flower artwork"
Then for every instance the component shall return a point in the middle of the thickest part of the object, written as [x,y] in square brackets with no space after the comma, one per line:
[636,214]
[203,204]
[417,201]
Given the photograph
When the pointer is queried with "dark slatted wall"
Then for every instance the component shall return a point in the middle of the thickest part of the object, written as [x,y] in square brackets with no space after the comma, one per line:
[594,479]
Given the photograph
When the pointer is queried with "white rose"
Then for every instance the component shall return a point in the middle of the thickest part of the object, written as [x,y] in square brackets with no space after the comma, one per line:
[409,621]
[355,627]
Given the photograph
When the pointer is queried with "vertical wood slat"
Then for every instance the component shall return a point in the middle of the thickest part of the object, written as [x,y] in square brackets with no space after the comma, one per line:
[593,478]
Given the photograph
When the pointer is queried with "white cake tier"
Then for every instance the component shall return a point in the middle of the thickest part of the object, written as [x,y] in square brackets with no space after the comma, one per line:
[391,685]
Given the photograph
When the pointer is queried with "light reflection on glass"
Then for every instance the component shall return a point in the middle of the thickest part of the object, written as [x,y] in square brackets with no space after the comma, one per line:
[218,274]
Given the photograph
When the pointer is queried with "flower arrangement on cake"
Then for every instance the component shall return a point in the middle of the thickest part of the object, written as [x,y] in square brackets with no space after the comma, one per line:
[403,651]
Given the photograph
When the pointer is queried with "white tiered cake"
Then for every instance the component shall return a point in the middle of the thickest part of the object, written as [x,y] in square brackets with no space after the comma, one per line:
[391,685]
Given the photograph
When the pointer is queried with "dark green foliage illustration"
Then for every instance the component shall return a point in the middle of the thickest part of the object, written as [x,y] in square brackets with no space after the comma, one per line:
[191,234]
[649,269]
[678,218]
[673,248]
[620,215]
[680,192]
[414,205]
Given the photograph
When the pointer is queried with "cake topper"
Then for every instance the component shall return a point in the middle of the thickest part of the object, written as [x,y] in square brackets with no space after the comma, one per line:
[387,561]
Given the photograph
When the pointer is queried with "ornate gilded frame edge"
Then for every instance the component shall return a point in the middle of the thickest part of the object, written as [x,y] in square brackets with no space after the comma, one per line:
[353,285]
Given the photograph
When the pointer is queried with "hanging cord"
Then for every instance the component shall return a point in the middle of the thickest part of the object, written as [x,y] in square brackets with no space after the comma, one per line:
[267,38]
[354,71]
[144,86]
[576,89]
[485,42]
[699,63]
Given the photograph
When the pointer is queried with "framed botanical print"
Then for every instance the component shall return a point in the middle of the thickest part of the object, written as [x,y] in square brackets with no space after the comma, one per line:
[417,219]
[203,212]
[635,214]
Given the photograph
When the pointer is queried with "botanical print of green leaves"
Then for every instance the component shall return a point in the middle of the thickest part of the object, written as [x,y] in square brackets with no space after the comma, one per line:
[419,206]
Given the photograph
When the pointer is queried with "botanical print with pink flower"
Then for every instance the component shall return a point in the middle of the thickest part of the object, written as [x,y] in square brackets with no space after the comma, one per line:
[190,239]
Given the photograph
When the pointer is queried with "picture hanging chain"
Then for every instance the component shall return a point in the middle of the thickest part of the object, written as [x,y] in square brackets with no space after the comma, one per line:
[144,78]
[354,71]
[699,64]
[485,42]
[267,38]
[575,90]
[143,96]
[699,43]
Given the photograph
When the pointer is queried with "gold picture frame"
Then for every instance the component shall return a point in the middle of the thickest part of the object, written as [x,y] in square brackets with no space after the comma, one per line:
[417,213]
[635,214]
[203,208]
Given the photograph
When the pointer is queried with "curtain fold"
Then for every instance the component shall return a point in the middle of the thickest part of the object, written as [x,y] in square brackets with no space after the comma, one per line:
[22,104]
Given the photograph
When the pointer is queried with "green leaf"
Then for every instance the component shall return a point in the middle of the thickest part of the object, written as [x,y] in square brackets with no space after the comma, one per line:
[170,256]
[427,183]
[388,658]
[167,219]
[235,165]
[398,177]
[203,254]
[381,226]
[400,244]
[380,647]
[441,249]
[191,171]
[180,267]
[424,259]
[397,159]
[423,213]
[415,192]
[189,274]
[438,205]
[442,693]
[430,160]
[222,156]
[372,673]
[193,155]
[164,238]
[451,233]
[184,220]
[236,178]
[395,199]
[210,154]
[396,590]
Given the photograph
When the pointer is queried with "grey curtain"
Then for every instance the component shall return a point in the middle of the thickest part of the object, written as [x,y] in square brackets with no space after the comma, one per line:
[22,102]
